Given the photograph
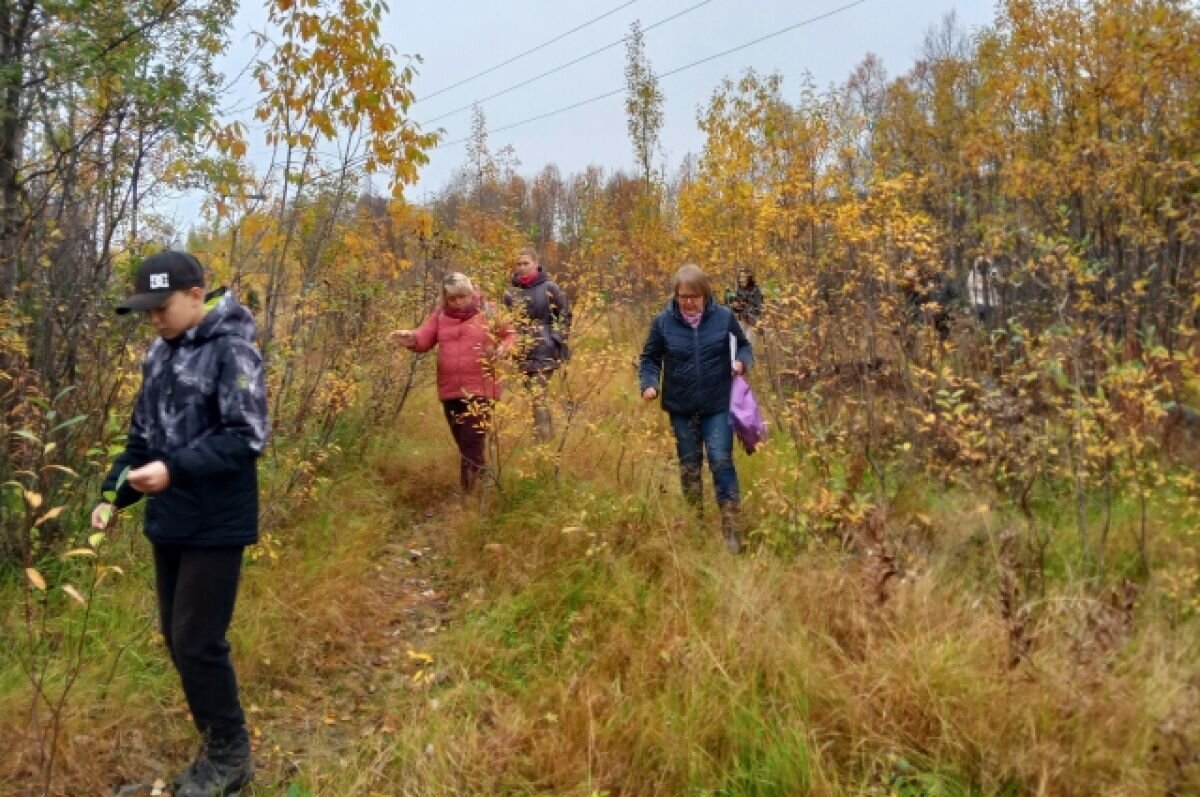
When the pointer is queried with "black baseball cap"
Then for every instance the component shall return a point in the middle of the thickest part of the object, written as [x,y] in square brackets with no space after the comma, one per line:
[159,276]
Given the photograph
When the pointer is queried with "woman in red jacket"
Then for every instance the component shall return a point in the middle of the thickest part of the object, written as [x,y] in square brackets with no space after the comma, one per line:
[468,346]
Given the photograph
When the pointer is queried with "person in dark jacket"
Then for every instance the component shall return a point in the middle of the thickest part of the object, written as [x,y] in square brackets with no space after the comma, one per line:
[544,325]
[199,425]
[746,302]
[686,358]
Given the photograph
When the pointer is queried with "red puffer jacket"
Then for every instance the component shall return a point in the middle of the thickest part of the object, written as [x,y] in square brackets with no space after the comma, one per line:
[467,350]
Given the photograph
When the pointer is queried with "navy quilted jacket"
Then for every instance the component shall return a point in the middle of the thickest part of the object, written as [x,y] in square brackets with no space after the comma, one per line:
[693,364]
[202,410]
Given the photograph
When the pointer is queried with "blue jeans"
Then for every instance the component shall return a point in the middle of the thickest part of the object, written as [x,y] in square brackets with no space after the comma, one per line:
[695,435]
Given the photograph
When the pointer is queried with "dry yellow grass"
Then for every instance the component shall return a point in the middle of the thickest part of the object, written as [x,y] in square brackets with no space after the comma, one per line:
[589,636]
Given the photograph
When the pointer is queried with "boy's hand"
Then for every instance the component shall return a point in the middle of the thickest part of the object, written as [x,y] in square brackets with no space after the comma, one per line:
[102,514]
[650,394]
[150,479]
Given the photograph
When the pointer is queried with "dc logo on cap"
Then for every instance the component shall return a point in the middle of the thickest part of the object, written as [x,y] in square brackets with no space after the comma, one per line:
[159,281]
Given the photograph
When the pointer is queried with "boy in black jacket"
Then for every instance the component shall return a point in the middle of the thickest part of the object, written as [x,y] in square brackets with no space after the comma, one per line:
[199,424]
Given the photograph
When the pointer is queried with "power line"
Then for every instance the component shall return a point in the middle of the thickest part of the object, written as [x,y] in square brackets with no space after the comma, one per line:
[761,39]
[354,162]
[527,52]
[675,71]
[561,67]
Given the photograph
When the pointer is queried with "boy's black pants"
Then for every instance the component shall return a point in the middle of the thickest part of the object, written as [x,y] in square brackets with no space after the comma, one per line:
[197,588]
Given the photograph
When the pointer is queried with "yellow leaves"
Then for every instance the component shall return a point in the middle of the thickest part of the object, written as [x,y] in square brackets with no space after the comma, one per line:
[423,658]
[35,578]
[50,515]
[423,674]
[74,593]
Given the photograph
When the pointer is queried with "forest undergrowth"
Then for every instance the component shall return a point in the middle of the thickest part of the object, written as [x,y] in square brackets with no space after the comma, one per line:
[568,635]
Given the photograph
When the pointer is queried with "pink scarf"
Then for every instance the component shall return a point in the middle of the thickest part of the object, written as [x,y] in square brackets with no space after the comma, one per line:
[464,313]
[693,319]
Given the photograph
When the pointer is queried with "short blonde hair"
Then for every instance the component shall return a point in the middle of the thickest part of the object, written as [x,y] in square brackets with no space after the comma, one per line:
[528,251]
[457,284]
[693,276]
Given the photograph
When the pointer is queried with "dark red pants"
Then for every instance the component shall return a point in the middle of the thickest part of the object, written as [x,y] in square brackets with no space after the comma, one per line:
[469,419]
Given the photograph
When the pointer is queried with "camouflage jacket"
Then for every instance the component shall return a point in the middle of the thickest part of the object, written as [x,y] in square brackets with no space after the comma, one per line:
[202,410]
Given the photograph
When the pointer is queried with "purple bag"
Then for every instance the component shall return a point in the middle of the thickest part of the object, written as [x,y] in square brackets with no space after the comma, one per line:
[744,416]
[747,422]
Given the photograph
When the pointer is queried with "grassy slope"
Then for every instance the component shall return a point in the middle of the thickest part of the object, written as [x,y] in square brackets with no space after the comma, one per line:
[592,638]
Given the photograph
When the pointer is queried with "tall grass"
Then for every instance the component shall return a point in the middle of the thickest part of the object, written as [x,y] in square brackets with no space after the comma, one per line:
[588,634]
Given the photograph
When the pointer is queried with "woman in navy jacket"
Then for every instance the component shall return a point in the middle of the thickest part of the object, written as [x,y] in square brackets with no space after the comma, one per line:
[687,358]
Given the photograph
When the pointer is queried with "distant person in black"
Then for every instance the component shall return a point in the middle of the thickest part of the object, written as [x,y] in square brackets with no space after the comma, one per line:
[543,322]
[746,302]
[930,297]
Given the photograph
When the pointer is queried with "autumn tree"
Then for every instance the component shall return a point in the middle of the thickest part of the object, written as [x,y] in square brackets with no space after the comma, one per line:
[643,101]
[98,119]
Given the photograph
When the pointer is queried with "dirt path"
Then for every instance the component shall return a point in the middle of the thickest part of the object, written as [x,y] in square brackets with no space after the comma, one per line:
[316,722]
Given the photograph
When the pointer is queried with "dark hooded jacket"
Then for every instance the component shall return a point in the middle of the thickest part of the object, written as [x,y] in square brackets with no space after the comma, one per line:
[693,364]
[747,303]
[543,322]
[202,410]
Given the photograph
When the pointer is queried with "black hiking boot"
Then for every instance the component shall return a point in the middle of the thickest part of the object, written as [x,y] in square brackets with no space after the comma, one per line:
[222,769]
[182,777]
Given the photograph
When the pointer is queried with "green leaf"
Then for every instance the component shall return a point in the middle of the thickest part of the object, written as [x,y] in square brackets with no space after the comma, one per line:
[69,423]
[121,478]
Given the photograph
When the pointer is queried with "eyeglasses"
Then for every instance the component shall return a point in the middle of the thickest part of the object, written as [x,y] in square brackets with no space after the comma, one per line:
[689,297]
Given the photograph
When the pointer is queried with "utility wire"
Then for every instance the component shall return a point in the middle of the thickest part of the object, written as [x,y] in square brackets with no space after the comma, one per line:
[561,67]
[354,162]
[531,50]
[675,71]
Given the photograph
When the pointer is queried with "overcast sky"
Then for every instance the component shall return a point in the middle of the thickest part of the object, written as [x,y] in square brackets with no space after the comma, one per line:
[460,38]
